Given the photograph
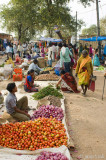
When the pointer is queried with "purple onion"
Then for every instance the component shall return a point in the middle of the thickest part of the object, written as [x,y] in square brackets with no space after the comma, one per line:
[52,156]
[48,111]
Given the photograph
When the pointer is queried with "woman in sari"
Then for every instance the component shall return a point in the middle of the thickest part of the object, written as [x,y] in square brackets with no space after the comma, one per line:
[29,82]
[84,70]
[67,82]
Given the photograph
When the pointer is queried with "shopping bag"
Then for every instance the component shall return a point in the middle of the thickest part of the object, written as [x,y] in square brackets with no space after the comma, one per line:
[92,86]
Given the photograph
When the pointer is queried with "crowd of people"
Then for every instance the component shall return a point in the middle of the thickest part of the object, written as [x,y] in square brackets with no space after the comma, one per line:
[67,58]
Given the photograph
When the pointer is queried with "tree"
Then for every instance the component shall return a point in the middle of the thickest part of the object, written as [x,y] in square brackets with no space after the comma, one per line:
[25,17]
[91,31]
[20,18]
[86,2]
[57,13]
[103,26]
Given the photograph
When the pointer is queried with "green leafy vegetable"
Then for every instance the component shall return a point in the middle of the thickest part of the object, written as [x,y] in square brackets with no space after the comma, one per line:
[100,68]
[49,90]
[2,65]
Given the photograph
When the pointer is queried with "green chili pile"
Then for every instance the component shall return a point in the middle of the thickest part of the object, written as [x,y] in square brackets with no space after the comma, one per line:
[46,91]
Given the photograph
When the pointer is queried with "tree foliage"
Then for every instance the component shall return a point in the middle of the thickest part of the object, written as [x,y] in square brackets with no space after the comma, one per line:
[91,31]
[86,2]
[27,17]
[103,26]
[18,18]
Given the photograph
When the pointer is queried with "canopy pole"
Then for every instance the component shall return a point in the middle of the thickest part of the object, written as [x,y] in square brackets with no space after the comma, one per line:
[98,27]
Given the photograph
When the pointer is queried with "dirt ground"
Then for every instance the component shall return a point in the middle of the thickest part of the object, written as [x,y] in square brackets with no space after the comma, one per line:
[87,122]
[86,119]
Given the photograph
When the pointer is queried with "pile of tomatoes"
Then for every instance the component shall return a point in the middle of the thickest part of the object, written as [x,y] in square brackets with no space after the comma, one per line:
[33,135]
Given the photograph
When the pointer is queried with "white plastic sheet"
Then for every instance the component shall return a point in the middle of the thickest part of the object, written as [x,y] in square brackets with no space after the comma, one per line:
[29,155]
[7,153]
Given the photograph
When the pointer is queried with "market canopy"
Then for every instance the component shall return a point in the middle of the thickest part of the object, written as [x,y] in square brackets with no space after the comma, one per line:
[50,39]
[94,39]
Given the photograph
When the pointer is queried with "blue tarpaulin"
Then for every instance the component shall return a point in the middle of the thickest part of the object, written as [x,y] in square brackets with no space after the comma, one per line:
[94,39]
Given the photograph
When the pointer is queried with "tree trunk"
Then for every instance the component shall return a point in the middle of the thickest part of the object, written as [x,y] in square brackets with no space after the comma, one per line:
[50,33]
[60,35]
[19,32]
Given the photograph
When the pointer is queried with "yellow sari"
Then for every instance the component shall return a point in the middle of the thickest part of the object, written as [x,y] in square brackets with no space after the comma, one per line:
[84,70]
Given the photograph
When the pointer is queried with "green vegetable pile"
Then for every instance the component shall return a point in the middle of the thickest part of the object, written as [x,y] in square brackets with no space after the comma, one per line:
[46,91]
[100,68]
[2,65]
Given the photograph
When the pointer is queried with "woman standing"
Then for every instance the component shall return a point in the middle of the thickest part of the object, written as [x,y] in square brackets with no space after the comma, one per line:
[84,70]
[29,82]
[67,82]
[95,60]
[65,57]
[90,51]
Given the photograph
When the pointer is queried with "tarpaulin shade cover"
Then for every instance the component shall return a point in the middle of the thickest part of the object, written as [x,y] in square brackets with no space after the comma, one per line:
[50,39]
[94,39]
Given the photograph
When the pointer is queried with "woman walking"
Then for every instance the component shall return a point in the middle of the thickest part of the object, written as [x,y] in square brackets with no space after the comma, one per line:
[84,70]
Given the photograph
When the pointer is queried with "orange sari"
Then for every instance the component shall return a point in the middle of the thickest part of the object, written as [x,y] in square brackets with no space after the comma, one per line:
[83,74]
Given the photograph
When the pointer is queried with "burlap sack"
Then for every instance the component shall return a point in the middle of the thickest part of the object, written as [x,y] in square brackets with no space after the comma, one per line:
[7,117]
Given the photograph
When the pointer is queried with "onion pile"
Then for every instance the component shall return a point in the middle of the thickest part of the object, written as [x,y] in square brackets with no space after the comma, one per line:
[48,111]
[51,156]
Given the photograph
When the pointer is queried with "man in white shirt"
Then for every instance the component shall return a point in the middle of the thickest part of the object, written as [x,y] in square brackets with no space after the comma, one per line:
[9,51]
[15,49]
[35,67]
[24,48]
[54,52]
[50,52]
[20,50]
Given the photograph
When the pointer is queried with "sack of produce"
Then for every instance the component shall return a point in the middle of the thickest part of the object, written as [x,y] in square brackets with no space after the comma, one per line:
[1,98]
[41,62]
[1,71]
[7,117]
[8,71]
[49,100]
[10,61]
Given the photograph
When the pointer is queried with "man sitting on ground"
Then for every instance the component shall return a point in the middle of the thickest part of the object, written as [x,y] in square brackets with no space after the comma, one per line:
[17,109]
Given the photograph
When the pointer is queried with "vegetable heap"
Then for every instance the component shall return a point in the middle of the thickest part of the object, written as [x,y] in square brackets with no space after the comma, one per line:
[2,65]
[33,135]
[47,77]
[100,68]
[51,156]
[48,111]
[49,90]
[47,69]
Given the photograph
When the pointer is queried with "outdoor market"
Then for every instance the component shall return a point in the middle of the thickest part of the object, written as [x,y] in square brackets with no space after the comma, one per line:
[52,88]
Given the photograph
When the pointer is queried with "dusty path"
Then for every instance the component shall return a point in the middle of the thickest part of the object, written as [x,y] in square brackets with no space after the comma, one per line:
[87,122]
